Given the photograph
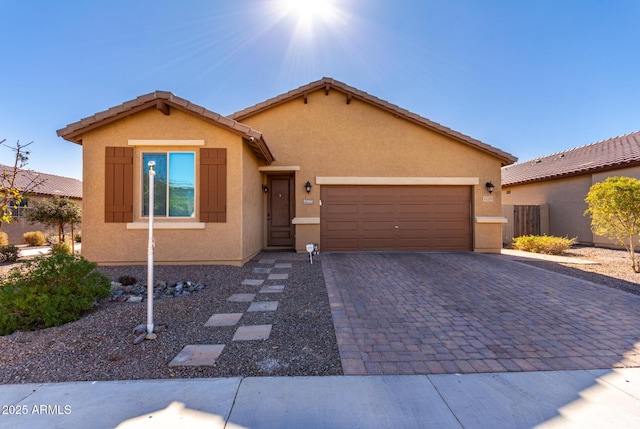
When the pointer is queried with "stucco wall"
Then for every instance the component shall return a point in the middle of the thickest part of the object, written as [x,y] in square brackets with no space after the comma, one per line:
[329,138]
[16,229]
[252,205]
[565,198]
[122,243]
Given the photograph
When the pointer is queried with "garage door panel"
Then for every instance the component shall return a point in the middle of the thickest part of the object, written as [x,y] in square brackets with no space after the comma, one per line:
[337,209]
[341,226]
[407,218]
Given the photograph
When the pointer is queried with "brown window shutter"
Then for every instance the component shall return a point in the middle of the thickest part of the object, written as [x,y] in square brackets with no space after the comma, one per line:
[119,185]
[213,185]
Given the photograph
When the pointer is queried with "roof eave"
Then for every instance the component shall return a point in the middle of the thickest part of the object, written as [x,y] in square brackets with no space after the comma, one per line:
[164,102]
[574,173]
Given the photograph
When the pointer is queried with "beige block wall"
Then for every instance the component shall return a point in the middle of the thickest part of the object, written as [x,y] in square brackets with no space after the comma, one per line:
[116,243]
[565,198]
[327,138]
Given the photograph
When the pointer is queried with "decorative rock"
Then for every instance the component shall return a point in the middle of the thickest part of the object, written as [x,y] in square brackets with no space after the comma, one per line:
[151,336]
[138,293]
[140,338]
[140,329]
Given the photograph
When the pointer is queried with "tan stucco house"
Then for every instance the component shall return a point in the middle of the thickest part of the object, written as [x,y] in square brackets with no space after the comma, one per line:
[325,163]
[41,186]
[556,185]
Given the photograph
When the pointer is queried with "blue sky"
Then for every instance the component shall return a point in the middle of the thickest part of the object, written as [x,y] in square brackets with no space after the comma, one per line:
[528,77]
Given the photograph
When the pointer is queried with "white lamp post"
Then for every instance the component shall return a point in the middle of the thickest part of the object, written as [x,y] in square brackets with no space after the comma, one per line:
[151,245]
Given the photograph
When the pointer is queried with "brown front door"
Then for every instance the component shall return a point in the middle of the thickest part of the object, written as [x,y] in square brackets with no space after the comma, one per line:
[280,205]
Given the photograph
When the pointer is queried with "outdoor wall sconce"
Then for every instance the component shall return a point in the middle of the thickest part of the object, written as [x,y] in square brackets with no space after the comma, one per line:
[265,188]
[307,186]
[490,187]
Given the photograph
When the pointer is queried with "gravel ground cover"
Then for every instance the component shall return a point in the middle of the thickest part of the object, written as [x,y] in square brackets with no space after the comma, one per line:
[302,342]
[100,346]
[612,268]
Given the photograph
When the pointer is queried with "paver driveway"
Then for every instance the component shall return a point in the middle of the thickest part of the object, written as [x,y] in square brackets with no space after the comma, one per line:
[425,313]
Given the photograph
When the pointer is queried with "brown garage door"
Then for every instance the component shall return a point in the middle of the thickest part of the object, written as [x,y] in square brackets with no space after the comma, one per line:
[409,218]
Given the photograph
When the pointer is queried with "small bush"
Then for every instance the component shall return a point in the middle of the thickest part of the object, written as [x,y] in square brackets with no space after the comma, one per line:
[34,238]
[543,244]
[4,239]
[52,238]
[127,280]
[9,253]
[49,291]
[78,237]
[63,247]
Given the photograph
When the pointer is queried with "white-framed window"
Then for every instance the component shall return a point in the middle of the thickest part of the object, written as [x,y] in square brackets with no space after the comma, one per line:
[18,210]
[174,184]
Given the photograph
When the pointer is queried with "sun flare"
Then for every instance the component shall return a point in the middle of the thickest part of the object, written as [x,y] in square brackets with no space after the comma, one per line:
[308,11]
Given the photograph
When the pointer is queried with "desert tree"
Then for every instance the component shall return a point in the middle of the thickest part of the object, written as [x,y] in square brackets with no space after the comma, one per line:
[15,181]
[58,212]
[614,206]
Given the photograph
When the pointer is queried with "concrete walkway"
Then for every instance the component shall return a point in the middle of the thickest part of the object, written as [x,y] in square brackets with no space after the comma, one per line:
[564,399]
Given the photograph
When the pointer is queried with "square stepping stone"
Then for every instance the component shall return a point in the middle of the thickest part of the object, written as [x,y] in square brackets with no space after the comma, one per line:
[272,289]
[261,270]
[283,265]
[252,332]
[263,306]
[224,319]
[252,282]
[267,261]
[278,276]
[198,355]
[241,297]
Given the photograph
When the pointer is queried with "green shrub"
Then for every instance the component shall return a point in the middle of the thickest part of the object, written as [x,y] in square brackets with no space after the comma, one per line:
[34,238]
[63,247]
[78,237]
[49,291]
[543,244]
[4,239]
[9,253]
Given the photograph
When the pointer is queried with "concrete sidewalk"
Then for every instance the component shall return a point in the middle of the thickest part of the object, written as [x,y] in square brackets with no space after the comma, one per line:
[561,399]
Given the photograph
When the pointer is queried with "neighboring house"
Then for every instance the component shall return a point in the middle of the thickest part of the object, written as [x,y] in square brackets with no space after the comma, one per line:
[324,163]
[559,183]
[48,185]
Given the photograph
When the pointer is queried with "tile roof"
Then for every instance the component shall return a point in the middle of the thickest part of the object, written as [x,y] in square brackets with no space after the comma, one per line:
[164,101]
[327,83]
[617,152]
[51,184]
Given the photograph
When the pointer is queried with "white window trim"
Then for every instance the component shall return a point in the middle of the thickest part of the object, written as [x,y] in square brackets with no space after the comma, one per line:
[166,225]
[138,142]
[162,218]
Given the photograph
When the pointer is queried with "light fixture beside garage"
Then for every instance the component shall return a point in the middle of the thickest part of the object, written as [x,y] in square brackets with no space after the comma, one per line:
[307,186]
[265,188]
[490,187]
